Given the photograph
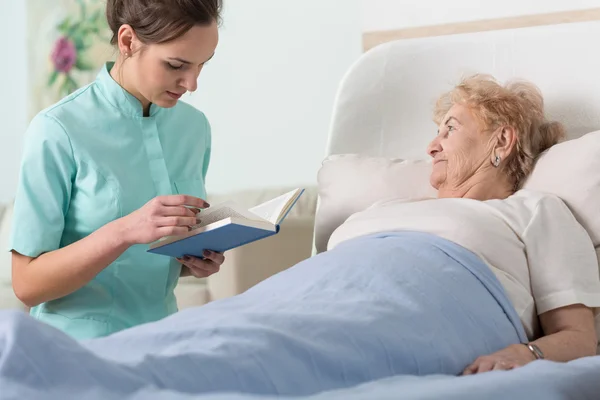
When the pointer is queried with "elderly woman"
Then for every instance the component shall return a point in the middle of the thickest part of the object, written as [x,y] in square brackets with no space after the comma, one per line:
[488,139]
[485,277]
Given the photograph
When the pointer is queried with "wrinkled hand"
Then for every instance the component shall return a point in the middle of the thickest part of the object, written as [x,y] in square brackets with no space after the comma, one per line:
[160,217]
[512,357]
[201,268]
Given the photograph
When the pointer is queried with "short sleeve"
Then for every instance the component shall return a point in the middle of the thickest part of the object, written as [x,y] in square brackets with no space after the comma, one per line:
[44,188]
[207,152]
[562,261]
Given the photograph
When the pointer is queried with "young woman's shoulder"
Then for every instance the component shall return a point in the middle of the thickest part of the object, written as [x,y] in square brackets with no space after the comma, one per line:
[189,122]
[189,113]
[67,122]
[71,113]
[73,104]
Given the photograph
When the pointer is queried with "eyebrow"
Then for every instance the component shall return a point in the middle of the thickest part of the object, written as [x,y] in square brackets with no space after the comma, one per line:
[181,60]
[452,118]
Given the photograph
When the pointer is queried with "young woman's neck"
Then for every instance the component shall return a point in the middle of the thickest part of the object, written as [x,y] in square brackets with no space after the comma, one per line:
[119,73]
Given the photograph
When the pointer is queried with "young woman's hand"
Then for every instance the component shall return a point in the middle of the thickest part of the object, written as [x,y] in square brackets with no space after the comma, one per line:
[201,268]
[161,216]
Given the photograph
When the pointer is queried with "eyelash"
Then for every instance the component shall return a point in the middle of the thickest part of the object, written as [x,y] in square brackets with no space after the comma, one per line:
[174,67]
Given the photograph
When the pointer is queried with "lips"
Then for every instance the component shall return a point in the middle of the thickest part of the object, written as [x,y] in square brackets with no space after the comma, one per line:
[175,95]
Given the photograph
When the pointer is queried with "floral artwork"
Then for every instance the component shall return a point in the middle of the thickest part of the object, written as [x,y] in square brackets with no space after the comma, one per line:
[68,43]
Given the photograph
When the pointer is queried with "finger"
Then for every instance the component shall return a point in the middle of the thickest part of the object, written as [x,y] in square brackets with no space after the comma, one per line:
[177,211]
[485,366]
[199,272]
[500,366]
[177,221]
[183,200]
[191,271]
[470,370]
[185,271]
[206,265]
[196,273]
[514,365]
[217,258]
[172,230]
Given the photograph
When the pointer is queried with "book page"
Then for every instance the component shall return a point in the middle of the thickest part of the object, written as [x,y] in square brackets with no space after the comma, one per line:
[273,209]
[223,211]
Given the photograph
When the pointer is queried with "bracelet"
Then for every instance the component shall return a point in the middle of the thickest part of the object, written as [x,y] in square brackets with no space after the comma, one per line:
[535,350]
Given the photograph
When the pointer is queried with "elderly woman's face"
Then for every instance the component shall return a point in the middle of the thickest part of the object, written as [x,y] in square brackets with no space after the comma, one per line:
[459,150]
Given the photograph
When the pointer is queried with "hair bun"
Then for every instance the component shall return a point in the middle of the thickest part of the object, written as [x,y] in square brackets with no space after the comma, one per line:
[160,21]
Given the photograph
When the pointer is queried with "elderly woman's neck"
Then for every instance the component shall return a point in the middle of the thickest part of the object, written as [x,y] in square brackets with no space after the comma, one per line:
[480,189]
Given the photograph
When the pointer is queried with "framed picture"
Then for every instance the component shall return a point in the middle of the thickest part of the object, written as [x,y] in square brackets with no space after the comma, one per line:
[68,42]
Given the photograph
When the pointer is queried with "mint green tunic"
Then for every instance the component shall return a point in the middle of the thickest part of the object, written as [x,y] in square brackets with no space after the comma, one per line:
[93,158]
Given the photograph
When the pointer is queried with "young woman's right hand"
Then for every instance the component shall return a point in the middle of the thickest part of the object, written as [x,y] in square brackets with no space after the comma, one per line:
[161,216]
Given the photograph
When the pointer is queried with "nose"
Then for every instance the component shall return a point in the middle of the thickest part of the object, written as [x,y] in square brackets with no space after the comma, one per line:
[434,147]
[190,81]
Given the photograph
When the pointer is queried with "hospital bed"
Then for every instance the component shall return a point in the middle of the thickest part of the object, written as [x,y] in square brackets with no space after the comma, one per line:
[383,109]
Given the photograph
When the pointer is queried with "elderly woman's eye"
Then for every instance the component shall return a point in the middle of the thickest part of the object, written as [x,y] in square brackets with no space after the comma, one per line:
[450,128]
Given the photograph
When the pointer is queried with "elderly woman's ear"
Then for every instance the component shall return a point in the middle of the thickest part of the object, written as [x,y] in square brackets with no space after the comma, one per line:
[506,139]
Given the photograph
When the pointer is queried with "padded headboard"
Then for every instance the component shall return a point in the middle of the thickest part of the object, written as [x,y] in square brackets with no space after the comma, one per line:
[385,101]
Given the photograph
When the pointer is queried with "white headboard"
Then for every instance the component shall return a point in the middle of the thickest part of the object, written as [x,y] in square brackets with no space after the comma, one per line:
[384,104]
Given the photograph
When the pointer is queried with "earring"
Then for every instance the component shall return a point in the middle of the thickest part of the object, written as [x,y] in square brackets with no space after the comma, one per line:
[496,162]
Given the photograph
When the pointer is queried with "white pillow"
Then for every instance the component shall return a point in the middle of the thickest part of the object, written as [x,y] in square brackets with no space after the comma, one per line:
[351,183]
[571,171]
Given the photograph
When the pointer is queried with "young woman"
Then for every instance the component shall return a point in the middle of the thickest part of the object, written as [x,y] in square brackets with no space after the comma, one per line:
[117,165]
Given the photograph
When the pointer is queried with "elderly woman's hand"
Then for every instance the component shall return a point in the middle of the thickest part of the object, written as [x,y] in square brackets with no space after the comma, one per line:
[201,268]
[513,356]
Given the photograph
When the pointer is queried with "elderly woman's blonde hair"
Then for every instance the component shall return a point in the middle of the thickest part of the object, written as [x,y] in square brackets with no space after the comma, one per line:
[518,104]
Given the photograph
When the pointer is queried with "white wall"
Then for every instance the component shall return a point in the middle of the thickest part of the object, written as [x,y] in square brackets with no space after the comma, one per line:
[13,81]
[269,90]
[397,14]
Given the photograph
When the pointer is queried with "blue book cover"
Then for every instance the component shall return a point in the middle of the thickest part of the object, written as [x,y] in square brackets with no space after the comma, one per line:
[228,226]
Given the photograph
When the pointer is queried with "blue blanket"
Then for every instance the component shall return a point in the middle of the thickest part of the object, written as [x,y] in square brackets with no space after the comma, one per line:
[373,308]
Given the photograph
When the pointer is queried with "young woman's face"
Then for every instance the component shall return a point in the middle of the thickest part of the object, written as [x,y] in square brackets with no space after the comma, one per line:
[162,73]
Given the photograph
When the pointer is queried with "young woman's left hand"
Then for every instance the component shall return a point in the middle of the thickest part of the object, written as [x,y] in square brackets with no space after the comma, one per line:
[511,357]
[201,268]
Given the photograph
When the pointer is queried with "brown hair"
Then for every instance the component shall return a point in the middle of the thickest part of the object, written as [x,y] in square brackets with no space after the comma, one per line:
[517,104]
[160,21]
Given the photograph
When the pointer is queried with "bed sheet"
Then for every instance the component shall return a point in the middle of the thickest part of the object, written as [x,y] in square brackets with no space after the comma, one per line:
[387,311]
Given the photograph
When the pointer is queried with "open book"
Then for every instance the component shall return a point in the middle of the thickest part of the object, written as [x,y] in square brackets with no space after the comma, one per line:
[228,225]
